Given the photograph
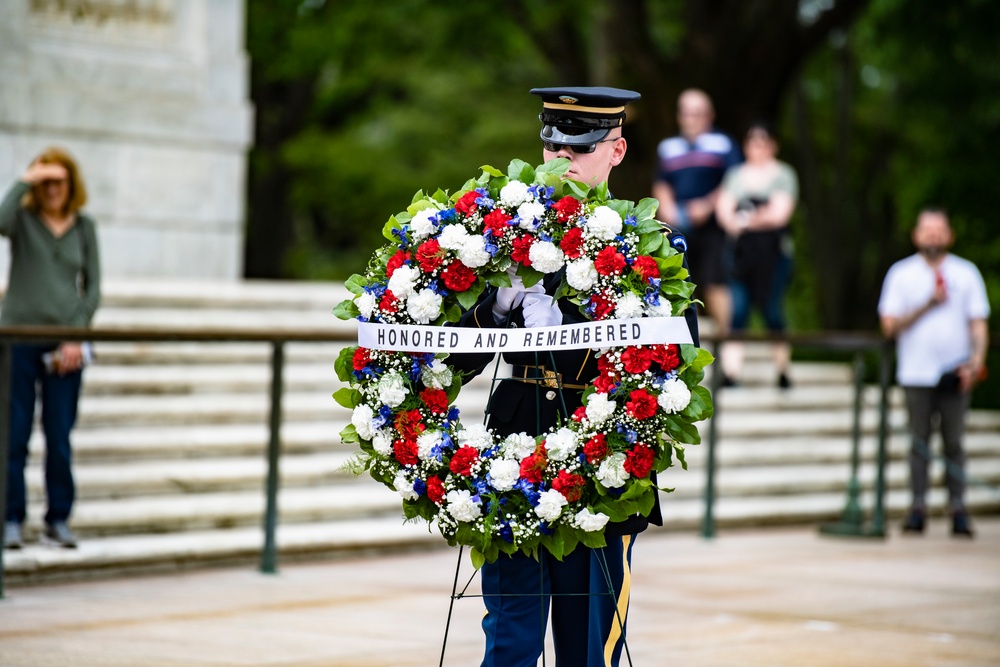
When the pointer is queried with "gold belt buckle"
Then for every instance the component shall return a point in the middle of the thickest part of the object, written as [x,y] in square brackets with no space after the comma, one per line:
[551,379]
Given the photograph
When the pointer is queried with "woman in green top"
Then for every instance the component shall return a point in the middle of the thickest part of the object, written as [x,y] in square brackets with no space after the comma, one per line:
[54,280]
[755,203]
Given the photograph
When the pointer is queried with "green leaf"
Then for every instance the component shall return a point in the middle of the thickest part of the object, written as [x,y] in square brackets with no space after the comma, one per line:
[468,298]
[649,243]
[592,540]
[344,365]
[578,189]
[492,171]
[390,225]
[529,276]
[477,557]
[679,450]
[356,284]
[519,170]
[346,310]
[349,434]
[620,206]
[347,397]
[646,210]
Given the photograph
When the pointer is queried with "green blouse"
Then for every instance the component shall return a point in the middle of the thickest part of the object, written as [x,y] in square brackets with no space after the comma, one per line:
[42,287]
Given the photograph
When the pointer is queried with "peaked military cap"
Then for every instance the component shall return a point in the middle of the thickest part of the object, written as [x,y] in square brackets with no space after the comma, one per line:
[581,115]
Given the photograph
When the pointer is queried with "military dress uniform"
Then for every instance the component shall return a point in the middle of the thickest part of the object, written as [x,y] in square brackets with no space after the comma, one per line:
[545,387]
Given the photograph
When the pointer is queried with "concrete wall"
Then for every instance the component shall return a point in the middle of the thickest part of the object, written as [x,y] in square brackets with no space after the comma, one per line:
[151,96]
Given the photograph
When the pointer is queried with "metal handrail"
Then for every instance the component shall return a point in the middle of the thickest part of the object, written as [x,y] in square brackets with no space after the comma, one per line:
[277,340]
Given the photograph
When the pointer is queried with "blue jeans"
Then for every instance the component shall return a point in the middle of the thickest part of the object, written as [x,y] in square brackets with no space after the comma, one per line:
[587,630]
[59,394]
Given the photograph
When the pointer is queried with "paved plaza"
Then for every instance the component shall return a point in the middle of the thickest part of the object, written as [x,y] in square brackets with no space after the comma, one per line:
[748,598]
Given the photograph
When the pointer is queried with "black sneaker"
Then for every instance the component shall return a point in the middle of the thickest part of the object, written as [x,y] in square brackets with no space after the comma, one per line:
[784,382]
[914,522]
[729,382]
[12,538]
[960,525]
[59,534]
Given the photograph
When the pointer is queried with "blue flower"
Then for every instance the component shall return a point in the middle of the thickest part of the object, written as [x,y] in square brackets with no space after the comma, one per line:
[529,491]
[631,221]
[544,529]
[453,414]
[382,417]
[437,288]
[630,435]
[506,534]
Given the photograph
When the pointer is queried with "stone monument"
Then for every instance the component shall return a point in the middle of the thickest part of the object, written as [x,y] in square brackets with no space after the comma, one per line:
[151,97]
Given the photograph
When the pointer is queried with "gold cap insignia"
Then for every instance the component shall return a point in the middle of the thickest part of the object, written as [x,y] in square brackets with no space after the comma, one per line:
[568,100]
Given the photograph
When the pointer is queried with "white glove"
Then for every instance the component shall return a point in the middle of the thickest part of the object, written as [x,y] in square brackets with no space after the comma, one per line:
[541,310]
[509,298]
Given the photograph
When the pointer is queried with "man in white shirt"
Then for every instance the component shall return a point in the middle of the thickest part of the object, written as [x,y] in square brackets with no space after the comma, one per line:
[935,305]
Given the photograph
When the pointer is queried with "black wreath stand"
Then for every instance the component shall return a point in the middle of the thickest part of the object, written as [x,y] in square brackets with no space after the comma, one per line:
[457,594]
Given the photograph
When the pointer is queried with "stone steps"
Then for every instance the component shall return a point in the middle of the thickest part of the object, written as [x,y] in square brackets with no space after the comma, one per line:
[170,445]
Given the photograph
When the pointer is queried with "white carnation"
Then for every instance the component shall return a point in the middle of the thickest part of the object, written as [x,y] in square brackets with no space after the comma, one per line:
[424,306]
[453,237]
[674,397]
[473,252]
[366,303]
[382,441]
[550,504]
[546,256]
[461,505]
[561,444]
[403,281]
[589,521]
[423,224]
[581,274]
[530,215]
[518,445]
[436,375]
[629,305]
[599,408]
[362,420]
[475,435]
[514,194]
[662,310]
[404,487]
[426,442]
[603,224]
[392,389]
[504,473]
[612,473]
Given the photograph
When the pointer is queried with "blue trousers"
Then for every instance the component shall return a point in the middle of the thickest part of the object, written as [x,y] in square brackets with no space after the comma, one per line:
[59,394]
[588,620]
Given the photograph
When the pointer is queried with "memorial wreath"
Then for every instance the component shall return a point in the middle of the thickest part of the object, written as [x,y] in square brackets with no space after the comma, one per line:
[523,492]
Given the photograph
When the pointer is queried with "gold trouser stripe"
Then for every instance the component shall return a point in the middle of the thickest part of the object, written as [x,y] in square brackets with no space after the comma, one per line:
[577,107]
[619,621]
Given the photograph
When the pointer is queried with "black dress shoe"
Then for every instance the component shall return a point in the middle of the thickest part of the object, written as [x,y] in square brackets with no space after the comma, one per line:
[729,382]
[960,525]
[914,522]
[784,382]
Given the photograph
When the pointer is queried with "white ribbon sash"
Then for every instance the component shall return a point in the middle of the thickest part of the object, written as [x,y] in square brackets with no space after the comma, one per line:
[594,335]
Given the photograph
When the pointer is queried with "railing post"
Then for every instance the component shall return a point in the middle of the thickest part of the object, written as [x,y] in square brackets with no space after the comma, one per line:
[851,518]
[4,440]
[708,521]
[885,372]
[269,557]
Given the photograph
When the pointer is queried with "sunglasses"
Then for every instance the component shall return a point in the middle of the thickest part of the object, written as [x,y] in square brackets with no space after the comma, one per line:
[581,148]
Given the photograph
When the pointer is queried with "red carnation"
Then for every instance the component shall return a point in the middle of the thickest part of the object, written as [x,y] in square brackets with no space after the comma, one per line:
[388,302]
[603,306]
[641,404]
[637,359]
[435,489]
[521,246]
[566,208]
[429,255]
[458,277]
[639,461]
[496,222]
[405,452]
[596,448]
[605,384]
[667,356]
[572,243]
[467,204]
[570,485]
[646,267]
[463,460]
[533,466]
[409,424]
[609,261]
[580,414]
[395,262]
[436,400]
[361,357]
